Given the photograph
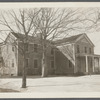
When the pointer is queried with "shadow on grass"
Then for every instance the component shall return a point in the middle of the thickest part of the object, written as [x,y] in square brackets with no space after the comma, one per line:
[49,76]
[7,90]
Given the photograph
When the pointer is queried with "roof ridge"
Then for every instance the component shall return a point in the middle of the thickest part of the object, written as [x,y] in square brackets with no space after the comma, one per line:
[68,39]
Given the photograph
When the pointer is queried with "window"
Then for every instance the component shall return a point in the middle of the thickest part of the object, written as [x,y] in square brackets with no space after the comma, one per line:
[85,49]
[26,46]
[35,63]
[78,49]
[12,62]
[52,64]
[90,50]
[35,47]
[13,48]
[52,51]
[27,62]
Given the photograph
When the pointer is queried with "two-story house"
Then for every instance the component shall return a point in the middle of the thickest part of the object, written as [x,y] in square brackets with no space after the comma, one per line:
[68,56]
[13,58]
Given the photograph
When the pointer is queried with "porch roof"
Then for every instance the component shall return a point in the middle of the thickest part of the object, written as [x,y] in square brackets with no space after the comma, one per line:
[95,55]
[92,55]
[82,54]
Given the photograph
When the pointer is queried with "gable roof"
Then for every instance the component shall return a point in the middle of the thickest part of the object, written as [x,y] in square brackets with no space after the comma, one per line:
[7,38]
[69,39]
[30,38]
[73,39]
[22,37]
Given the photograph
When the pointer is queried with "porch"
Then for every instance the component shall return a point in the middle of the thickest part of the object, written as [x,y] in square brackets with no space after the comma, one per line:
[85,63]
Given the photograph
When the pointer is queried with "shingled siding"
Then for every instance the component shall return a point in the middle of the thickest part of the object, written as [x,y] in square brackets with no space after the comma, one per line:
[31,70]
[81,59]
[64,58]
[50,58]
[82,46]
[31,56]
[81,64]
[63,65]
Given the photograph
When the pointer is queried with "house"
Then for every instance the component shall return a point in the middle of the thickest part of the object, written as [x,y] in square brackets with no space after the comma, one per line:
[68,56]
[13,58]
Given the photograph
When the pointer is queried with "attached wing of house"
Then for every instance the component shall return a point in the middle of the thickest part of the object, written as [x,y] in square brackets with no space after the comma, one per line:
[66,45]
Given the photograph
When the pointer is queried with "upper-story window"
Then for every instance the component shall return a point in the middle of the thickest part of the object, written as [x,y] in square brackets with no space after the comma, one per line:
[27,45]
[78,49]
[52,51]
[12,62]
[85,49]
[35,48]
[90,50]
[13,48]
[27,62]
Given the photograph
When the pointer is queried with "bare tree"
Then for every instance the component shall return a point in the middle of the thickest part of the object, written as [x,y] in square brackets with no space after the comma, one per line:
[92,19]
[53,23]
[48,23]
[20,22]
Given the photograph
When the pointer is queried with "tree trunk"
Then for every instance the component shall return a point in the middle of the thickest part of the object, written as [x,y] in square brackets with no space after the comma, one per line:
[44,60]
[24,65]
[24,73]
[44,65]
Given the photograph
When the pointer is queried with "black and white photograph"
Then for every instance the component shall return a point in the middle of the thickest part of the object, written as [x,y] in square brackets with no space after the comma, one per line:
[46,49]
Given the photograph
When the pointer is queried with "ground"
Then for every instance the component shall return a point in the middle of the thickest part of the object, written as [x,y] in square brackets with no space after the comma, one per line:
[88,83]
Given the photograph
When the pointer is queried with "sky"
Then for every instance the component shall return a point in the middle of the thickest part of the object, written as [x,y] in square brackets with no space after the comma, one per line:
[93,35]
[95,38]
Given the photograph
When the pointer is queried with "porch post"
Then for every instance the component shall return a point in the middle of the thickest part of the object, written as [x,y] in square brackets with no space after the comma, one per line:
[74,57]
[93,63]
[99,64]
[86,64]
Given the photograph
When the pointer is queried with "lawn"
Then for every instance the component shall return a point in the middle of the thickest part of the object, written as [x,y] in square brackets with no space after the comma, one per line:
[89,83]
